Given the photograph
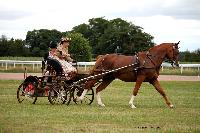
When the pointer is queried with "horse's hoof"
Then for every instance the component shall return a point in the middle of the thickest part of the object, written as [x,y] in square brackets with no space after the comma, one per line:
[77,99]
[102,105]
[171,106]
[133,106]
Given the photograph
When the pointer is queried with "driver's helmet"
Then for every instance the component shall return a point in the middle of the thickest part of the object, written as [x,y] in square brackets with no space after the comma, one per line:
[53,44]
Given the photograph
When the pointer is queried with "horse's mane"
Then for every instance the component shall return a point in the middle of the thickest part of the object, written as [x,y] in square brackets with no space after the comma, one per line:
[160,45]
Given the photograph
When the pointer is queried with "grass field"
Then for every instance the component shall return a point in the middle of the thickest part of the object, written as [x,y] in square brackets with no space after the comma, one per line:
[151,114]
[21,58]
[177,71]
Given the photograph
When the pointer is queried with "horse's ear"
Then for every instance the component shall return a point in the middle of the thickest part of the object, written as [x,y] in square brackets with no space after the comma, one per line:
[177,43]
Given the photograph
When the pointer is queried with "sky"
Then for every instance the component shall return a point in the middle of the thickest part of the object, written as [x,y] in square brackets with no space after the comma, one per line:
[166,20]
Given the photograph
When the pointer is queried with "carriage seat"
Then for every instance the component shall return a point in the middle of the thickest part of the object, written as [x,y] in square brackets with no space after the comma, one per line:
[55,64]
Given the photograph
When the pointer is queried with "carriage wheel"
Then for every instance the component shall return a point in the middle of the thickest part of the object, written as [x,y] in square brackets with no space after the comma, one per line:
[58,94]
[88,99]
[27,92]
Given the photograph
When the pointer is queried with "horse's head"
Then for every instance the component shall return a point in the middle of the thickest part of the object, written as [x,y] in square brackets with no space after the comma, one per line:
[172,54]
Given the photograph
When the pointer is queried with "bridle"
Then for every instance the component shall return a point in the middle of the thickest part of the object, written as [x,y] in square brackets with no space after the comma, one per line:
[174,61]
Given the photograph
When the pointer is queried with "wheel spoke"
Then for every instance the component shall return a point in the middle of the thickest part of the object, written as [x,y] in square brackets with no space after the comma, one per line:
[58,94]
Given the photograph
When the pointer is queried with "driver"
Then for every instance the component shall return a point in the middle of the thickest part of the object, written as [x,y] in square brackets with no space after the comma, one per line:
[53,49]
[64,58]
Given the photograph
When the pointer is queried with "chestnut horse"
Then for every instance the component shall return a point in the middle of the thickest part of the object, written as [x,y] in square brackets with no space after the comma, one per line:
[146,69]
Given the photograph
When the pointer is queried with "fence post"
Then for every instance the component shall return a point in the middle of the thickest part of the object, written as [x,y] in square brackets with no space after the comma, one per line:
[6,66]
[181,69]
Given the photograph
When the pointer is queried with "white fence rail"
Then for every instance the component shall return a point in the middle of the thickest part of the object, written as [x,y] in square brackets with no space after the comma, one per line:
[5,63]
[182,66]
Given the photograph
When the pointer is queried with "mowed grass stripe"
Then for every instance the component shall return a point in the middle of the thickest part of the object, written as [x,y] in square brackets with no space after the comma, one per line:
[151,115]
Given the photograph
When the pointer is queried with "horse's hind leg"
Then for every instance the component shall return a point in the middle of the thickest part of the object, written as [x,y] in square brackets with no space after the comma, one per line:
[102,86]
[158,87]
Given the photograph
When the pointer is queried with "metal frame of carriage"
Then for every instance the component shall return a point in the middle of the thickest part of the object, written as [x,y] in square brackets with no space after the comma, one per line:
[54,85]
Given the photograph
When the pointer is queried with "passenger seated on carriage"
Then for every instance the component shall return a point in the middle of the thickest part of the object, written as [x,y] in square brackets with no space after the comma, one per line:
[61,54]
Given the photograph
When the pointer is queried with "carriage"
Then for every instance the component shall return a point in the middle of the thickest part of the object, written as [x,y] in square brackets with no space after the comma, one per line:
[54,85]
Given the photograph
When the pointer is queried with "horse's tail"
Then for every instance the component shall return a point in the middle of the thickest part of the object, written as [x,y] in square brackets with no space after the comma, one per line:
[96,69]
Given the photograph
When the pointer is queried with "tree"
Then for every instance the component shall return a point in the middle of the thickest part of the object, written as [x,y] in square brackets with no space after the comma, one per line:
[105,36]
[15,47]
[38,40]
[12,47]
[79,47]
[84,29]
[3,45]
[93,31]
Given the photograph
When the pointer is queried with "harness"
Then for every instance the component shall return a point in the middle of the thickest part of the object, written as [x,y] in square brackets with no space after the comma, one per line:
[135,65]
[149,55]
[104,73]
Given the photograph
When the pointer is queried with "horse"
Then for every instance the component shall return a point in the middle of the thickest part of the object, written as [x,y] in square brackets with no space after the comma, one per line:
[145,69]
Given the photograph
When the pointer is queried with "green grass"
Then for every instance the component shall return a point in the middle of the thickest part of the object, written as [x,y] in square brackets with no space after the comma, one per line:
[151,114]
[177,71]
[21,58]
[20,69]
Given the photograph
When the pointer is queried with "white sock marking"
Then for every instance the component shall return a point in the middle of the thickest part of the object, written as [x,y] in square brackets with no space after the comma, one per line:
[82,95]
[99,100]
[131,102]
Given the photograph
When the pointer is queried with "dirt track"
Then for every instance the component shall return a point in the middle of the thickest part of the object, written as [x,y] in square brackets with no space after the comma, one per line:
[20,76]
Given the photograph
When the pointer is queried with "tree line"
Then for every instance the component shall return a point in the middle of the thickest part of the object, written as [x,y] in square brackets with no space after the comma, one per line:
[98,36]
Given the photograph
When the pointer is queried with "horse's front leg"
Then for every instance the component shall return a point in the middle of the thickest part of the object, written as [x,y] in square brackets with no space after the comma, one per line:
[82,95]
[102,86]
[88,86]
[158,87]
[139,81]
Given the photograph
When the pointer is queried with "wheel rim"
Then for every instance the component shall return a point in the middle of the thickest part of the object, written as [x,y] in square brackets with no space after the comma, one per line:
[58,95]
[26,93]
[88,98]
